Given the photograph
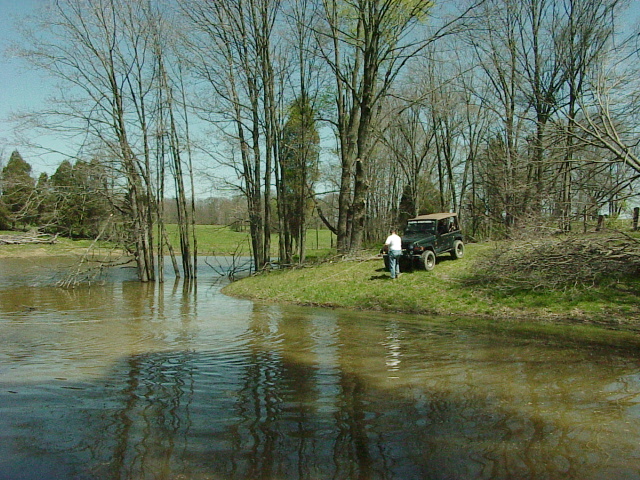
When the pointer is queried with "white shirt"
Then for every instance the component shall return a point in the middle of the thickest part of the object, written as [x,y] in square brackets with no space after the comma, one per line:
[394,242]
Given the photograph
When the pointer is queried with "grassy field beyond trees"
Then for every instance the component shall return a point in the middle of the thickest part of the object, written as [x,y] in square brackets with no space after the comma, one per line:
[223,240]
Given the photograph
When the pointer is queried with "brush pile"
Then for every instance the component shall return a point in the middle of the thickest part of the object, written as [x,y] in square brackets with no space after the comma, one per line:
[560,263]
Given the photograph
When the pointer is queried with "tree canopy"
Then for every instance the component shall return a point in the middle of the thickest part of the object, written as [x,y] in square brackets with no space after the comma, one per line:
[521,116]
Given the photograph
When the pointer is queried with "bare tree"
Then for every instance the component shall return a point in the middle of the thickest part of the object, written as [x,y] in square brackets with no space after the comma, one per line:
[581,40]
[231,49]
[609,125]
[100,50]
[498,58]
[297,168]
[540,56]
[476,117]
[607,115]
[169,131]
[367,45]
[408,142]
[115,98]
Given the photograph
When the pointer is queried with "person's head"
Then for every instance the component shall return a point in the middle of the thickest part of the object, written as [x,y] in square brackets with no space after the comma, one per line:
[392,231]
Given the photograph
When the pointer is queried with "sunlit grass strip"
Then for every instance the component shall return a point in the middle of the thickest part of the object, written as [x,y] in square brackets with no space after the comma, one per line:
[223,240]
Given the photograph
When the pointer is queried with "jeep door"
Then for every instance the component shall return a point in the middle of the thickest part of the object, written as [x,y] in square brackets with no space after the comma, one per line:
[444,239]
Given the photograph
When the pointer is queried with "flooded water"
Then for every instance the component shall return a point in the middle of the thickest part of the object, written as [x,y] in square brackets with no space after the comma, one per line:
[123,380]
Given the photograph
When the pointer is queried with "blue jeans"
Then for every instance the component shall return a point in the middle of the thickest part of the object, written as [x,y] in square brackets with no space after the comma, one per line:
[394,264]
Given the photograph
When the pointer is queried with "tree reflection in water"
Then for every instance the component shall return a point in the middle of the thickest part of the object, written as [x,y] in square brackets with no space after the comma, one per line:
[298,399]
[294,393]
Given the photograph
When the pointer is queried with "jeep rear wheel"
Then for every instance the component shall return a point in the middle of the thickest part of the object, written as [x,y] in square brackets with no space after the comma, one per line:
[458,249]
[427,260]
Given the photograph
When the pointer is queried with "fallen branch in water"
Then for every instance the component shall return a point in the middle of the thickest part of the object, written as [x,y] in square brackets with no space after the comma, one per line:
[91,266]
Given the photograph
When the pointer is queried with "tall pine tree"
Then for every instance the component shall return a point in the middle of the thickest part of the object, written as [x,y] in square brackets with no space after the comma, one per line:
[18,188]
[298,173]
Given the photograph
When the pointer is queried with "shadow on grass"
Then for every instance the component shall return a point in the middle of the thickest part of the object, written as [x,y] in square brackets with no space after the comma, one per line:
[380,277]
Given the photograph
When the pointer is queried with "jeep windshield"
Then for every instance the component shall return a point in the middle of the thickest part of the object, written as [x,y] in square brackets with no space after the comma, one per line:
[422,226]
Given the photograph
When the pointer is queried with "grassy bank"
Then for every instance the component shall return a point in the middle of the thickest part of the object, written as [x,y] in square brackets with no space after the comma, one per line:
[363,284]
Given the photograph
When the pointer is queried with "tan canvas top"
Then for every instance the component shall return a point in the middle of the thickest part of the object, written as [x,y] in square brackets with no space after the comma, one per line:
[433,216]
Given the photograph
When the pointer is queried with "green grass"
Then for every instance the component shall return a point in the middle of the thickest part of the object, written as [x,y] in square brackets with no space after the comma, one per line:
[222,240]
[215,240]
[365,285]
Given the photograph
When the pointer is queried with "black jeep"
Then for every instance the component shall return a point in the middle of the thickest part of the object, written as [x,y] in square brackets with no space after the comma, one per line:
[427,236]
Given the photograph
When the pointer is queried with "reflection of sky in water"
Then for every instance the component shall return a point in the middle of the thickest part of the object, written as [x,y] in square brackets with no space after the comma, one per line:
[127,380]
[393,344]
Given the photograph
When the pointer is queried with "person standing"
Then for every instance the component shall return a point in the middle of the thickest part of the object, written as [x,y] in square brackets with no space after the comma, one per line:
[394,244]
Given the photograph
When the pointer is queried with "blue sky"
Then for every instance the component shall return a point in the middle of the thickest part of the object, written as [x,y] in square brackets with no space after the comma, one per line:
[20,88]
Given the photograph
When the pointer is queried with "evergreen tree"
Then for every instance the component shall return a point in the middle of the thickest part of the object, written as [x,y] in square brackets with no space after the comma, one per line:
[43,196]
[78,203]
[4,216]
[299,171]
[18,188]
[62,199]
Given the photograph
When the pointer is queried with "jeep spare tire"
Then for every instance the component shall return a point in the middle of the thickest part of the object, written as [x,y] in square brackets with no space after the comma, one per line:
[427,260]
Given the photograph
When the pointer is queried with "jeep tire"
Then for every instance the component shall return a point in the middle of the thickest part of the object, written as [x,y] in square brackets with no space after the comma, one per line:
[427,260]
[458,249]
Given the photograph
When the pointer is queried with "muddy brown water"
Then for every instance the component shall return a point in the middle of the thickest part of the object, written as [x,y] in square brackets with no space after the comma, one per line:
[122,380]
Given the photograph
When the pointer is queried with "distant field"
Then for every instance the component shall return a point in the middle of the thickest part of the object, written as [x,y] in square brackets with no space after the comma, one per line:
[221,240]
[212,240]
